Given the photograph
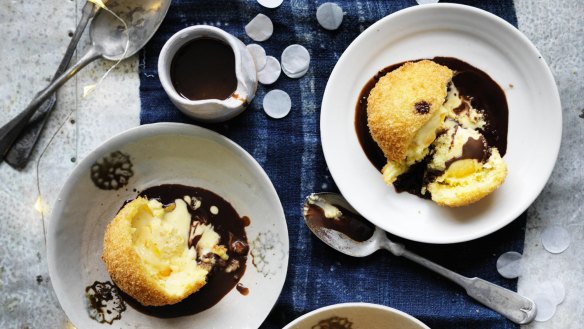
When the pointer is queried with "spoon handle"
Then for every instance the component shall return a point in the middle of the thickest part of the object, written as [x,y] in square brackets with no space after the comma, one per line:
[10,131]
[92,54]
[513,306]
[22,147]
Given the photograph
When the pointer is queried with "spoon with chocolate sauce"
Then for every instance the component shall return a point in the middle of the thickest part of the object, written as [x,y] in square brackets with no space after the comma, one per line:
[332,219]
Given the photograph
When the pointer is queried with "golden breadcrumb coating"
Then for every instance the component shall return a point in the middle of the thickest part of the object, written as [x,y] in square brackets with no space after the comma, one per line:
[402,102]
[128,270]
[467,181]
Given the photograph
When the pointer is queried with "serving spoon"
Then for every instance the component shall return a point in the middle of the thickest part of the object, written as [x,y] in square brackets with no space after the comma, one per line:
[332,219]
[108,41]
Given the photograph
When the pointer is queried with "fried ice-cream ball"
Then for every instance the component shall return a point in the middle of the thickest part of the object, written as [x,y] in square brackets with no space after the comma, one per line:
[405,110]
[146,252]
[470,170]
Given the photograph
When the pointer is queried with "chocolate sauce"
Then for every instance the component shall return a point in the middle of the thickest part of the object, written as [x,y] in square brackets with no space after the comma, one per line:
[230,227]
[486,96]
[350,224]
[242,289]
[473,149]
[473,84]
[461,108]
[204,69]
[112,171]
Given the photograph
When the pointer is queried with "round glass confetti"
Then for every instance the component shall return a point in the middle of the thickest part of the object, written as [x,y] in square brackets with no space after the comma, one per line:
[546,308]
[329,15]
[294,75]
[271,72]
[260,28]
[258,54]
[277,104]
[426,2]
[510,265]
[295,59]
[555,239]
[270,3]
[554,290]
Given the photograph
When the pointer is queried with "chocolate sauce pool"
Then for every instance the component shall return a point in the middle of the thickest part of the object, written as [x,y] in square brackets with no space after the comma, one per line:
[204,69]
[473,84]
[228,224]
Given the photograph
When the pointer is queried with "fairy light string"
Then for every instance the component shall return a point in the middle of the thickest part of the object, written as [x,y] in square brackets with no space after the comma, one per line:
[40,204]
[90,88]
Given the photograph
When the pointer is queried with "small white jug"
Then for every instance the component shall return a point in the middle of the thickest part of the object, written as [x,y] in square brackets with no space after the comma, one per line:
[210,110]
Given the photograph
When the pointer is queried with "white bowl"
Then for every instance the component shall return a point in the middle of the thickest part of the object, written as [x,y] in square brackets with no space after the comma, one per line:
[356,316]
[484,41]
[210,110]
[168,153]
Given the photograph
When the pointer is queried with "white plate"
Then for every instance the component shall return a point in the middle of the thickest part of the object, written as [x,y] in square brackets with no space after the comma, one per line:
[169,153]
[484,41]
[356,315]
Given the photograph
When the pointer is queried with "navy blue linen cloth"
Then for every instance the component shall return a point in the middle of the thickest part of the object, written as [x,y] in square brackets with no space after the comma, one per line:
[289,150]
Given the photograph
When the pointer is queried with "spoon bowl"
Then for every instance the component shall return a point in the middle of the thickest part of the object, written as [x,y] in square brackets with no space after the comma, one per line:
[332,219]
[334,238]
[143,18]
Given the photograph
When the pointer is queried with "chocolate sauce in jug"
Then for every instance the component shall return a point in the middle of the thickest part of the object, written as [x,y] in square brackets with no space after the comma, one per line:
[204,69]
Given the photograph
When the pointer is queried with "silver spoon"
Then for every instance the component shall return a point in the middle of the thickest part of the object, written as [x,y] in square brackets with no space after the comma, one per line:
[329,214]
[20,151]
[108,40]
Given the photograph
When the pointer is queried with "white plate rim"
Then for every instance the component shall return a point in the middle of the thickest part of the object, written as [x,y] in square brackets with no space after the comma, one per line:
[327,137]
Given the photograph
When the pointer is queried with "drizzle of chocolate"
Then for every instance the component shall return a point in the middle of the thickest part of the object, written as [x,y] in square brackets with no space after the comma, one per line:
[242,289]
[474,85]
[462,107]
[473,149]
[193,241]
[238,97]
[350,224]
[422,107]
[230,227]
[413,180]
[105,302]
[246,221]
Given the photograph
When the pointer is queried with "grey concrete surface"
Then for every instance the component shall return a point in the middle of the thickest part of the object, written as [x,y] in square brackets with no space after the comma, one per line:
[557,29]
